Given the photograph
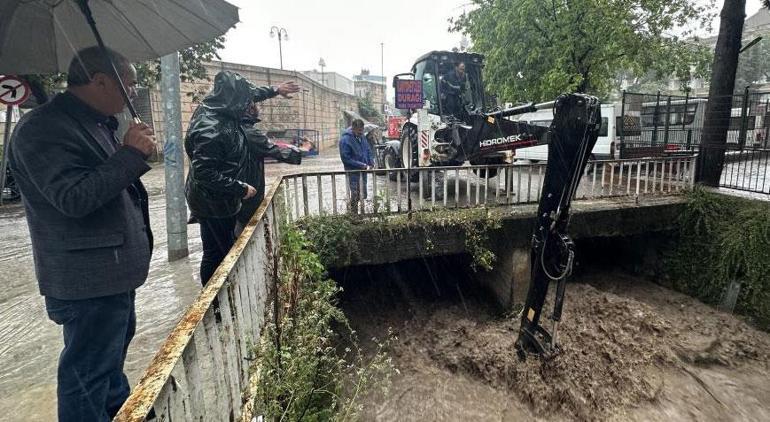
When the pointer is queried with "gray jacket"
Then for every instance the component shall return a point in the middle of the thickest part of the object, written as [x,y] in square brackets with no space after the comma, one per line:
[85,206]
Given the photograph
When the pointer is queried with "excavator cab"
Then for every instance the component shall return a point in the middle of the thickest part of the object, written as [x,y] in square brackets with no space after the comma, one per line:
[449,92]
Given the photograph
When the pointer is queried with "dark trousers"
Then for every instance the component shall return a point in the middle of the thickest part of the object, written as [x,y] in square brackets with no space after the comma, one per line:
[97,332]
[357,186]
[217,236]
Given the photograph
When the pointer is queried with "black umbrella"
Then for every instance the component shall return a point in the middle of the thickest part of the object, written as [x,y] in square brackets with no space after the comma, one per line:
[42,36]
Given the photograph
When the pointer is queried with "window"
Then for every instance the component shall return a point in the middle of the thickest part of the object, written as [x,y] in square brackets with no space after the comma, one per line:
[424,73]
[603,128]
[677,115]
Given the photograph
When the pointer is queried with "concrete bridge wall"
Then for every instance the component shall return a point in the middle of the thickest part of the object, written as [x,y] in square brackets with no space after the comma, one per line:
[509,279]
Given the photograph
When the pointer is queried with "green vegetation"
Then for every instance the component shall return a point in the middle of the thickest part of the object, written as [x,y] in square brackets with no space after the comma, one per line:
[536,50]
[723,239]
[310,366]
[368,111]
[336,239]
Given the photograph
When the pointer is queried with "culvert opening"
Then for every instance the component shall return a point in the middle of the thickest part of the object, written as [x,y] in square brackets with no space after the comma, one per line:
[632,350]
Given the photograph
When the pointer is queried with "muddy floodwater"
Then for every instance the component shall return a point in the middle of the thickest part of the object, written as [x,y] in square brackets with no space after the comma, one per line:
[631,351]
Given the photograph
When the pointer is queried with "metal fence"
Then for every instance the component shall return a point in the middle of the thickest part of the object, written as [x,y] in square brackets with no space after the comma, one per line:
[747,170]
[428,188]
[656,125]
[203,369]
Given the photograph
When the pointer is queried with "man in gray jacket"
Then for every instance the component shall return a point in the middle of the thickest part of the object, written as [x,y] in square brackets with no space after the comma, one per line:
[88,219]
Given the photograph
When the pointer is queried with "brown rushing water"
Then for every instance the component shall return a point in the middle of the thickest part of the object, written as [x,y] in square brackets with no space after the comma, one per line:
[632,350]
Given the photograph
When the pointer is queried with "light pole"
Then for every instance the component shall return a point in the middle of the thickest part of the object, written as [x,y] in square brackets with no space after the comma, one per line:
[304,109]
[322,63]
[384,79]
[282,34]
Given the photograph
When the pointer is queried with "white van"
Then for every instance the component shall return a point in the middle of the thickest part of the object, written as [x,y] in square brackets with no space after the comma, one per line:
[604,149]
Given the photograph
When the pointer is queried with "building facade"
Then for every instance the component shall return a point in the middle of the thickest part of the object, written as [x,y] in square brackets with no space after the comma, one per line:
[332,80]
[315,107]
[373,86]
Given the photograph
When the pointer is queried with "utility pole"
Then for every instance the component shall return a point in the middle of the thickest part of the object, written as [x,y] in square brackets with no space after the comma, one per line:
[282,34]
[6,140]
[322,63]
[173,159]
[304,108]
[384,79]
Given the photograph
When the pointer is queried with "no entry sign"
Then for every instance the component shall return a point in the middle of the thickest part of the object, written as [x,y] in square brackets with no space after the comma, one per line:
[13,90]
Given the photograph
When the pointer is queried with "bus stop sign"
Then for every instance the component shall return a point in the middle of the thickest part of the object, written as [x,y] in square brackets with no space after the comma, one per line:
[408,94]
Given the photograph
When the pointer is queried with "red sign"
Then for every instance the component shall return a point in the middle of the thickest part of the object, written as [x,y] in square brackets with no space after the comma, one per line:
[395,123]
[13,91]
[408,94]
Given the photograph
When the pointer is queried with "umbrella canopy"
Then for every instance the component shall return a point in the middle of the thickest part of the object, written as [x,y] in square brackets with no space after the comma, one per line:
[42,36]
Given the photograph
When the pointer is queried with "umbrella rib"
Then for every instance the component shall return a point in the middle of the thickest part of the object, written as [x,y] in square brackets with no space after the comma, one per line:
[58,24]
[195,14]
[168,22]
[136,30]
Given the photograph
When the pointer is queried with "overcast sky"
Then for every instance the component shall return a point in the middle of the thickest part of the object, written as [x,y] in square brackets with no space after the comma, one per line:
[347,34]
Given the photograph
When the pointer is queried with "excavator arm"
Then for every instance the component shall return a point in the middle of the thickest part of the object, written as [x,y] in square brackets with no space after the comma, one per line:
[572,136]
[481,134]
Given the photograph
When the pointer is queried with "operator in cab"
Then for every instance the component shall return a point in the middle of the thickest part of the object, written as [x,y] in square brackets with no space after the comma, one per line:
[454,92]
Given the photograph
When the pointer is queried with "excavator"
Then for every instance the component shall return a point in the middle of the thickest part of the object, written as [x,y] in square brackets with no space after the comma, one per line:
[453,127]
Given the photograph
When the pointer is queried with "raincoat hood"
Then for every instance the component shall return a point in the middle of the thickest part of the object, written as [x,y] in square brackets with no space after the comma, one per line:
[216,146]
[231,95]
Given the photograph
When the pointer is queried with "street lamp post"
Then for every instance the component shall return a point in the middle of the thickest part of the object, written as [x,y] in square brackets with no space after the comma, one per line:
[282,34]
[322,63]
[304,108]
[384,79]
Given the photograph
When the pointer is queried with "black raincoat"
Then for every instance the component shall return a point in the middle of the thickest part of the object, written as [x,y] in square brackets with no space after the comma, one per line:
[216,147]
[260,146]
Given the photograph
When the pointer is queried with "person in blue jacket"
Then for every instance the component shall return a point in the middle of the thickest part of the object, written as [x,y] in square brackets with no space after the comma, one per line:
[356,155]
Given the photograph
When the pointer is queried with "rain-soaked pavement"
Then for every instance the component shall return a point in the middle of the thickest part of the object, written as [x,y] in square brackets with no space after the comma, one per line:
[30,343]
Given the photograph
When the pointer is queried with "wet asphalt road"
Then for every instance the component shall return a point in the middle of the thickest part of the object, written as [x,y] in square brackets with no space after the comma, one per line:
[30,343]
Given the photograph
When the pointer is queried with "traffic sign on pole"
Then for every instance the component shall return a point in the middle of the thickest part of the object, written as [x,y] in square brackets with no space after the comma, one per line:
[13,90]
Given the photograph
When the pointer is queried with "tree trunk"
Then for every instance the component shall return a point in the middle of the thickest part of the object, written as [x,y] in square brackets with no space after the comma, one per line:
[717,120]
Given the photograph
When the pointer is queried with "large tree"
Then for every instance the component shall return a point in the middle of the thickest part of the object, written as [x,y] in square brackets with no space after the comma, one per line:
[537,49]
[717,119]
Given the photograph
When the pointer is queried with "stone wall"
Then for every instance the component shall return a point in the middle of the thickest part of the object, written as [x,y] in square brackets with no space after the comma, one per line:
[316,107]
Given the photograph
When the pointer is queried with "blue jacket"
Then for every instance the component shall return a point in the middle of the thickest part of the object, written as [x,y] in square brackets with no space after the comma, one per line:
[355,152]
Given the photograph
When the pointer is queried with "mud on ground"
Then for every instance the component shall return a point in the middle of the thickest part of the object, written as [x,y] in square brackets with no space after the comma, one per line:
[631,350]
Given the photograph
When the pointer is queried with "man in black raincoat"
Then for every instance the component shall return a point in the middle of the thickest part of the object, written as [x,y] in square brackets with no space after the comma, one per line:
[259,147]
[216,147]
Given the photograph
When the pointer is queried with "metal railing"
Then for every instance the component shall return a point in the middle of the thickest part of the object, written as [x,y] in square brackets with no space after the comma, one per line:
[202,370]
[747,170]
[427,188]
